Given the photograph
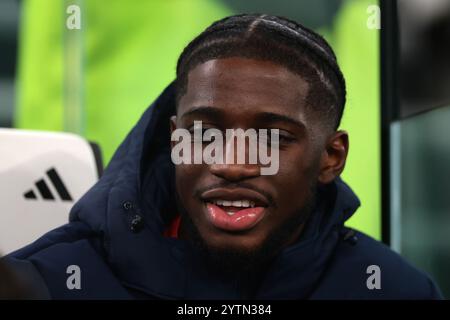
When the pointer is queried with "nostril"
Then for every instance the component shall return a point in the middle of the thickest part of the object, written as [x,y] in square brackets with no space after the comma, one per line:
[235,172]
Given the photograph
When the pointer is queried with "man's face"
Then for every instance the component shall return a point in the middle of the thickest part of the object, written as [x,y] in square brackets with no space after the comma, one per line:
[234,93]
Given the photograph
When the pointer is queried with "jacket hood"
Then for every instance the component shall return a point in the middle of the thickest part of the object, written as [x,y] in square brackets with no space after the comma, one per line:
[132,202]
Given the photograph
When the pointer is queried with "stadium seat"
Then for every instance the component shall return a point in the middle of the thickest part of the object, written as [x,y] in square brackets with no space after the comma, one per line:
[42,174]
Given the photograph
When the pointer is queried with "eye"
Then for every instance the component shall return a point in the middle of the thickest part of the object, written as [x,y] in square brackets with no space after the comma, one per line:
[285,137]
[282,136]
[192,129]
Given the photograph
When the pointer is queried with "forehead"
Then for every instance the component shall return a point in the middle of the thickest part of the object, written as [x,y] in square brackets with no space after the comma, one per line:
[244,85]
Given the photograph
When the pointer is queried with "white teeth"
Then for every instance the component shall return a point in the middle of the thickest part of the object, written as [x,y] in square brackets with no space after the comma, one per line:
[230,213]
[237,203]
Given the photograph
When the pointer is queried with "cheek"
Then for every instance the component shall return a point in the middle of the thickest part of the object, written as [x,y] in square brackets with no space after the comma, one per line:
[298,172]
[185,176]
[294,162]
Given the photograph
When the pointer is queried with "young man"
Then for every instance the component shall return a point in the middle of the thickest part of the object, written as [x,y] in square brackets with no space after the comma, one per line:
[222,229]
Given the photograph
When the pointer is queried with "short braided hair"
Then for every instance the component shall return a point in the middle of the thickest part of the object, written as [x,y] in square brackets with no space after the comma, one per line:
[275,39]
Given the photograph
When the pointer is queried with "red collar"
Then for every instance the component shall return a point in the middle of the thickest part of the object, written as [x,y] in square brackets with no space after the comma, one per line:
[172,230]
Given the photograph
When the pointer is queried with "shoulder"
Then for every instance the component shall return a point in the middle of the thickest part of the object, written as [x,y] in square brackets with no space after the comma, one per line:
[363,268]
[70,262]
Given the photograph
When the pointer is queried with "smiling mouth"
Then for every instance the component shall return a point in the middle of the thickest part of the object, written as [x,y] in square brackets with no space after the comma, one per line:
[231,207]
[234,210]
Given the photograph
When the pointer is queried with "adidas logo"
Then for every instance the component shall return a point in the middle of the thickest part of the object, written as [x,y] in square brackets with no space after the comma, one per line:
[44,190]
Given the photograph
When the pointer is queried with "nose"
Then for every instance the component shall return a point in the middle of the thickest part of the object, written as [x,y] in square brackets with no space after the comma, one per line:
[233,169]
[235,172]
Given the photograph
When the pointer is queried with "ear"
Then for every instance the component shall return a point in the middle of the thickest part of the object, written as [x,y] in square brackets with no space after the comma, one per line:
[173,126]
[334,157]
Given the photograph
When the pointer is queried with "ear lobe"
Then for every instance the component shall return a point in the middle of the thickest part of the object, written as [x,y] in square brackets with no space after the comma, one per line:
[334,157]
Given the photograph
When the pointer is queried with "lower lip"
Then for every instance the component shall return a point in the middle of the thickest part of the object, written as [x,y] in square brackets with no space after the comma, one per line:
[240,221]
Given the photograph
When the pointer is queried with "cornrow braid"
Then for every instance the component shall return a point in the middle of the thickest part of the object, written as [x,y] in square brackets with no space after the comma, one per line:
[275,39]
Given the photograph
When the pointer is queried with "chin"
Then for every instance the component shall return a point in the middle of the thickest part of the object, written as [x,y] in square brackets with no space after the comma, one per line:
[218,240]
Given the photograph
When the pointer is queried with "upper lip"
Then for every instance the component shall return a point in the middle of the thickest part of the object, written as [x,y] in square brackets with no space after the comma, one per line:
[235,194]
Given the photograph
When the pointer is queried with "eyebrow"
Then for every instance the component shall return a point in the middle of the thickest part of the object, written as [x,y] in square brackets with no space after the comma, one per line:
[207,111]
[264,117]
[270,117]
